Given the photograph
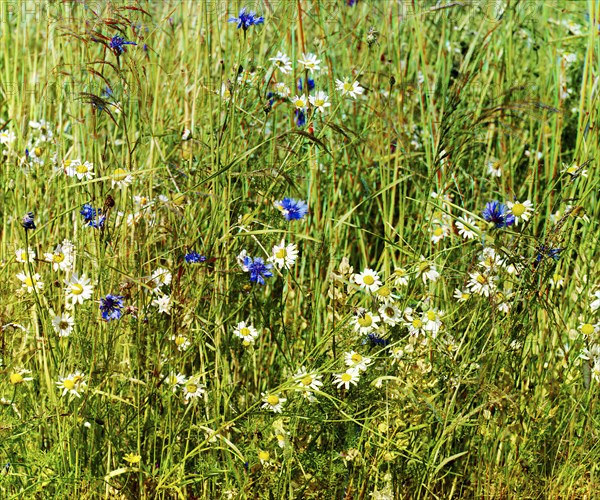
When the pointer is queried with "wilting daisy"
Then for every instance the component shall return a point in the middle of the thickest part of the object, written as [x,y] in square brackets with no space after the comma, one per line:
[367,280]
[284,256]
[481,283]
[347,88]
[574,171]
[357,361]
[432,321]
[282,90]
[350,376]
[501,301]
[427,270]
[310,62]
[439,232]
[193,388]
[464,225]
[365,322]
[320,101]
[121,178]
[461,295]
[24,256]
[31,283]
[272,402]
[283,62]
[414,324]
[73,384]
[400,277]
[390,314]
[78,289]
[163,302]
[494,168]
[520,210]
[17,377]
[63,324]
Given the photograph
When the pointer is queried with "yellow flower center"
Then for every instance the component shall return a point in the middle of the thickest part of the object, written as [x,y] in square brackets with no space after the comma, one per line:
[273,400]
[24,256]
[518,209]
[191,387]
[119,174]
[431,315]
[263,455]
[366,321]
[400,272]
[69,384]
[424,266]
[356,358]
[180,340]
[417,323]
[299,103]
[465,296]
[38,151]
[281,253]
[58,257]
[438,231]
[368,280]
[319,102]
[67,163]
[384,291]
[29,282]
[179,199]
[587,329]
[346,377]
[306,381]
[81,169]
[348,86]
[244,332]
[481,279]
[76,289]
[16,378]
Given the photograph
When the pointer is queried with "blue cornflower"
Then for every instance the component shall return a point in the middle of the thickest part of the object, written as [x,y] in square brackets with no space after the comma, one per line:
[498,213]
[544,251]
[117,44]
[92,216]
[194,258]
[300,118]
[375,339]
[246,19]
[292,209]
[258,269]
[111,307]
[27,221]
[311,84]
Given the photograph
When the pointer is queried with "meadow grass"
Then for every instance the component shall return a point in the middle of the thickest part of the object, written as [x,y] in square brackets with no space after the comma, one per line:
[418,342]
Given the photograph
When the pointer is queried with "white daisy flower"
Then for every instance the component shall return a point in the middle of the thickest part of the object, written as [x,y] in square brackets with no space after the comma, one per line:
[78,289]
[367,280]
[73,384]
[357,361]
[246,332]
[284,256]
[299,102]
[390,314]
[521,210]
[31,283]
[63,324]
[24,256]
[482,283]
[272,402]
[347,88]
[320,101]
[427,270]
[365,322]
[310,62]
[283,62]
[464,225]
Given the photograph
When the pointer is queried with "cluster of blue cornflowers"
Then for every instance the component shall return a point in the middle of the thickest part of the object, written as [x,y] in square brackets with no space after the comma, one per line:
[92,216]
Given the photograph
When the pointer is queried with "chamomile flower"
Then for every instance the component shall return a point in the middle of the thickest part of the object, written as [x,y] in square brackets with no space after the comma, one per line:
[357,361]
[73,384]
[282,90]
[384,295]
[574,171]
[175,380]
[75,168]
[595,304]
[588,329]
[78,289]
[283,62]
[365,322]
[464,225]
[24,256]
[61,258]
[320,101]
[193,388]
[521,210]
[439,232]
[368,280]
[482,283]
[494,167]
[284,256]
[17,377]
[160,277]
[306,382]
[273,402]
[121,178]
[501,301]
[348,88]
[300,102]
[310,62]
[31,282]
[63,324]
[390,314]
[349,377]
[557,281]
[181,342]
[427,271]
[432,321]
[246,332]
[415,324]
